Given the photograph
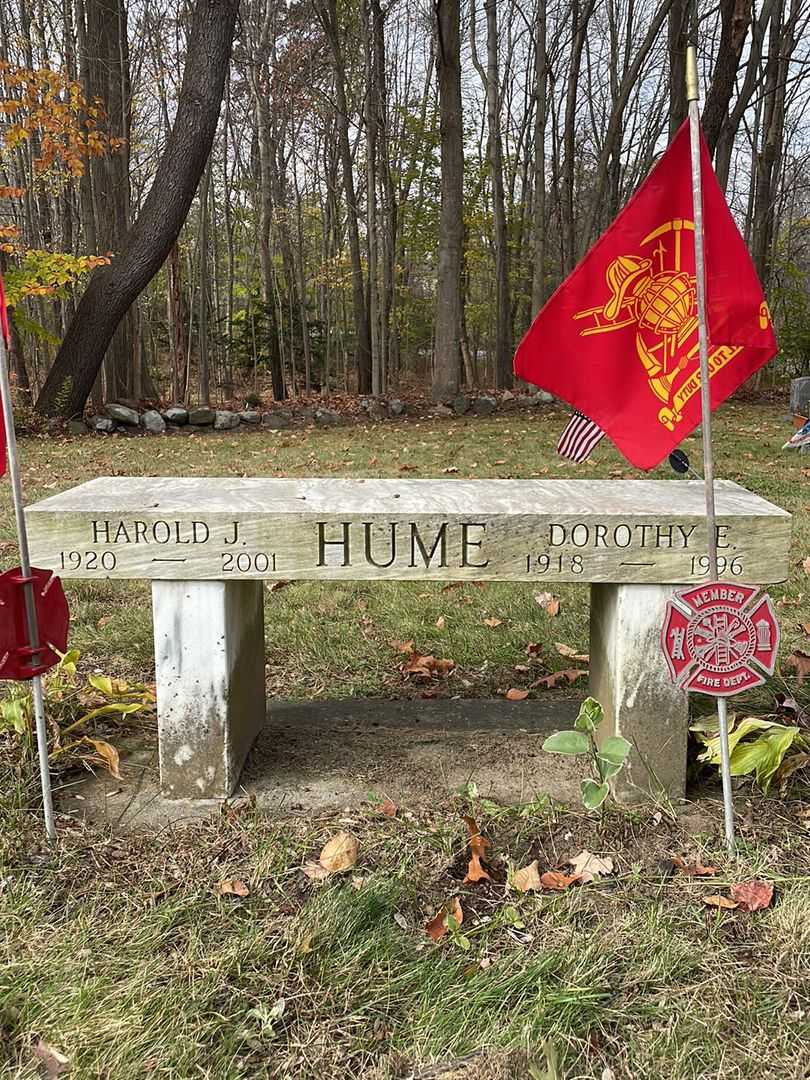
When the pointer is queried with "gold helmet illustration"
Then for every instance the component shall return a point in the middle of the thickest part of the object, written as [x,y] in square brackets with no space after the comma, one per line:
[620,275]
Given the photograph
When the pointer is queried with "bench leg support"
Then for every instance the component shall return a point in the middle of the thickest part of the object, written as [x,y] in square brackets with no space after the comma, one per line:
[209,665]
[629,678]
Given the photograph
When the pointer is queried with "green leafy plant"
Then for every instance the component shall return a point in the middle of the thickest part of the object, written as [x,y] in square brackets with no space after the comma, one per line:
[605,759]
[73,703]
[759,747]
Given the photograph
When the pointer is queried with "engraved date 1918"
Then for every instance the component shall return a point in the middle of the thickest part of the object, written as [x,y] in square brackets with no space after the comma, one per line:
[554,564]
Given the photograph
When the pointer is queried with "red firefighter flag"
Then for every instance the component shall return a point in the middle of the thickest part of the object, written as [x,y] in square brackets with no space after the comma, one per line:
[4,330]
[618,340]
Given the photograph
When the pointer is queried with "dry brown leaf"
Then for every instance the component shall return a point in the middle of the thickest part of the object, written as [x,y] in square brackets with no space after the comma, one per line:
[571,654]
[527,878]
[475,871]
[408,468]
[800,660]
[549,603]
[401,646]
[521,669]
[493,622]
[516,695]
[53,1061]
[314,871]
[437,927]
[339,853]
[696,869]
[440,623]
[426,666]
[534,648]
[232,887]
[108,754]
[478,847]
[452,585]
[450,469]
[752,895]
[274,586]
[554,680]
[389,808]
[588,867]
[718,901]
[806,565]
[554,879]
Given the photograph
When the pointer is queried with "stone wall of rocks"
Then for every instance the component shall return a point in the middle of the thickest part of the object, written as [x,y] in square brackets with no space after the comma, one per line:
[127,419]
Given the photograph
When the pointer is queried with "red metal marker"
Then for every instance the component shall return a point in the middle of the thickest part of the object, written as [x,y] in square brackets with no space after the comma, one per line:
[20,658]
[720,638]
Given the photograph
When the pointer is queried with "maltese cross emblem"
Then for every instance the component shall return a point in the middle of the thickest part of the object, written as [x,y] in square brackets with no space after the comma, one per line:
[720,638]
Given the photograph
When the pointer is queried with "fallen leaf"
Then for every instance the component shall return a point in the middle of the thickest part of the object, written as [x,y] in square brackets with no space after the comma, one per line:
[550,604]
[805,627]
[389,808]
[437,927]
[589,867]
[752,895]
[274,586]
[720,902]
[554,680]
[800,660]
[493,622]
[478,847]
[452,585]
[554,879]
[426,666]
[339,853]
[408,468]
[521,669]
[440,623]
[534,648]
[571,654]
[516,695]
[450,469]
[806,565]
[232,887]
[108,755]
[696,869]
[527,878]
[314,871]
[53,1061]
[401,646]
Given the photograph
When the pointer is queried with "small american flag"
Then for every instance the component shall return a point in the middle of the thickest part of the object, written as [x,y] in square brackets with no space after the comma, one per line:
[580,437]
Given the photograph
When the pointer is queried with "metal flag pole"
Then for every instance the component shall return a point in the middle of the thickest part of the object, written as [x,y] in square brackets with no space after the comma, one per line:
[28,590]
[693,95]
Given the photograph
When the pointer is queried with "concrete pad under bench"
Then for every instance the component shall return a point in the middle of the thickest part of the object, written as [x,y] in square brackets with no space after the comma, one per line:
[207,544]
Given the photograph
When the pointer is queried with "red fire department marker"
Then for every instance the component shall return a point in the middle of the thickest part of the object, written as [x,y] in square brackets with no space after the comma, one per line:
[720,638]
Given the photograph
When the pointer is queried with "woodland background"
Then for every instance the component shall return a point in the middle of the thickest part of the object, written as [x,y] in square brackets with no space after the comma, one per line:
[202,199]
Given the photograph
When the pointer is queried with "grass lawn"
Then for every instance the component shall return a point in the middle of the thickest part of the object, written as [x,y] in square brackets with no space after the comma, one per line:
[119,951]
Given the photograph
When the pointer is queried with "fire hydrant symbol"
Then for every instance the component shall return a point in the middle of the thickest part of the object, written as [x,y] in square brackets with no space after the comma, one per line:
[720,638]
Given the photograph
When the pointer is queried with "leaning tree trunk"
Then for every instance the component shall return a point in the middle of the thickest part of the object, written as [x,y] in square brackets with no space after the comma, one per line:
[113,289]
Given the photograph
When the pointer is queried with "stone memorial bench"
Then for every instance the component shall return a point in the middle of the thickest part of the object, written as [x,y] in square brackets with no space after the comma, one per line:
[207,545]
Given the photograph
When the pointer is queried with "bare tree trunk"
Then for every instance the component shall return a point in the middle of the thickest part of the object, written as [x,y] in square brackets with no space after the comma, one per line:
[678,39]
[736,19]
[447,348]
[490,80]
[540,120]
[327,11]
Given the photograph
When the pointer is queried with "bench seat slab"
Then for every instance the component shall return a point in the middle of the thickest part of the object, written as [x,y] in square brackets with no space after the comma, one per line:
[209,666]
[629,678]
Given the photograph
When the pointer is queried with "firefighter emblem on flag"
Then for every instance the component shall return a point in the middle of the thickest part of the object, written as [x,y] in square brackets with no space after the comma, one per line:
[720,638]
[656,292]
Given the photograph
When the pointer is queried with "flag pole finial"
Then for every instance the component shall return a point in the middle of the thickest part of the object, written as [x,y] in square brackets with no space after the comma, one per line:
[692,86]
